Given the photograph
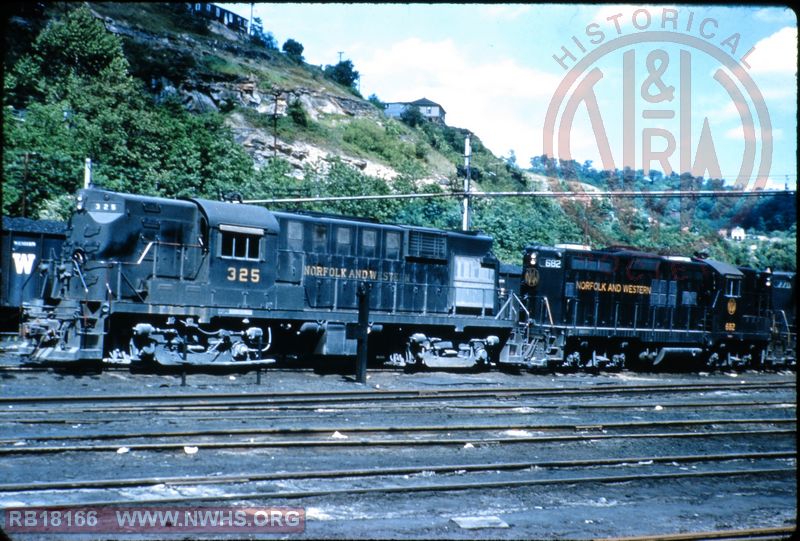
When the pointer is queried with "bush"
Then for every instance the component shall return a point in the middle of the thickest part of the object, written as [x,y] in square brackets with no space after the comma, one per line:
[297,113]
[373,99]
[293,50]
[343,73]
[412,116]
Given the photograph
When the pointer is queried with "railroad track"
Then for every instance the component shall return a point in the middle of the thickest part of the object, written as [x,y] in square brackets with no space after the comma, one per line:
[390,471]
[384,442]
[755,534]
[12,416]
[271,495]
[202,400]
[749,446]
[360,429]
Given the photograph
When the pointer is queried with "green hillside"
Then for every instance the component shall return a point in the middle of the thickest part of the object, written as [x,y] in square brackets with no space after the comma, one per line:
[170,104]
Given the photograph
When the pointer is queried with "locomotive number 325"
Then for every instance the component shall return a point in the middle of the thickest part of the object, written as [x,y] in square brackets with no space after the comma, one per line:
[243,275]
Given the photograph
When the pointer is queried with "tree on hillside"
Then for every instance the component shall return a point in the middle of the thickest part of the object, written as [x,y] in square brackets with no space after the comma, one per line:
[343,73]
[258,36]
[293,50]
[63,53]
[376,101]
[412,116]
[90,106]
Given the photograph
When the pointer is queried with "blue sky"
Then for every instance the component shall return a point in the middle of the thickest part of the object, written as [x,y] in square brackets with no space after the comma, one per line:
[492,69]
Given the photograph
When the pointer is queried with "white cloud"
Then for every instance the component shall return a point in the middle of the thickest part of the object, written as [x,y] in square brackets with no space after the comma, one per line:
[502,102]
[776,53]
[777,93]
[776,15]
[726,112]
[737,134]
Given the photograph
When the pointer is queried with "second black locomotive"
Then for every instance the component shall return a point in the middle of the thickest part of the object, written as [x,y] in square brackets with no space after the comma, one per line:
[622,307]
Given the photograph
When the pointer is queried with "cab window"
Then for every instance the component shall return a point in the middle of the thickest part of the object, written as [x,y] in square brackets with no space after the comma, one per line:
[733,287]
[240,246]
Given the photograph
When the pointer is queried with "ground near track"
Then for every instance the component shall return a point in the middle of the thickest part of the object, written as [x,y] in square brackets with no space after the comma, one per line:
[527,456]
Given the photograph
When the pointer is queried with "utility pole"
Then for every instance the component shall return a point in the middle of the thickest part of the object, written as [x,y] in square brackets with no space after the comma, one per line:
[362,331]
[276,94]
[340,56]
[25,186]
[87,173]
[465,222]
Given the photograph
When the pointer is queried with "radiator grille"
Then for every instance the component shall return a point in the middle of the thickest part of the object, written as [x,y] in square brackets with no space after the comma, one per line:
[427,245]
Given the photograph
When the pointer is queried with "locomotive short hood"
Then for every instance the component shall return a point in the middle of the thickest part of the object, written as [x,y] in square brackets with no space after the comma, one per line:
[218,213]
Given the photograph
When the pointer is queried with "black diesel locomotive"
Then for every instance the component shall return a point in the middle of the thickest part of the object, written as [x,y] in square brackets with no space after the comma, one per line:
[211,283]
[197,282]
[27,246]
[621,307]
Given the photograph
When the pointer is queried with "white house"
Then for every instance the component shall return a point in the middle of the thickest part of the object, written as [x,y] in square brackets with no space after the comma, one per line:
[429,109]
[737,233]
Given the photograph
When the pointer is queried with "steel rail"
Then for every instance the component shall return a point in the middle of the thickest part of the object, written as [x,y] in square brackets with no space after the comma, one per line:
[505,409]
[377,472]
[349,442]
[443,487]
[779,532]
[415,394]
[399,429]
[290,405]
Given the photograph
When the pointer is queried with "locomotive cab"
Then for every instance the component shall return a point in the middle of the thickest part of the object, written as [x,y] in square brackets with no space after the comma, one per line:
[542,280]
[242,248]
[739,314]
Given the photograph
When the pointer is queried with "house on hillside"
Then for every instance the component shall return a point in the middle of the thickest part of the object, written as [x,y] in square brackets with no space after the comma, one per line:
[215,12]
[737,234]
[430,109]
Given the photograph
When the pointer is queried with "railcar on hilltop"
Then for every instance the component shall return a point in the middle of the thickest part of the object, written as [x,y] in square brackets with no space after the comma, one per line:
[622,307]
[147,279]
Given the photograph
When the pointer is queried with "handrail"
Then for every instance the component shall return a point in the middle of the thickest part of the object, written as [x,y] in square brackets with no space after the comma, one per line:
[80,275]
[160,243]
[786,323]
[144,253]
[511,298]
[549,314]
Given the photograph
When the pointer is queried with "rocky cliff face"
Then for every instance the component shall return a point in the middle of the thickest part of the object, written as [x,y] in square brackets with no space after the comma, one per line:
[205,92]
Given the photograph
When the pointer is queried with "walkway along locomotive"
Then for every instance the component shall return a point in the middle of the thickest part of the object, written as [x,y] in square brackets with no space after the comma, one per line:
[212,283]
[619,306]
